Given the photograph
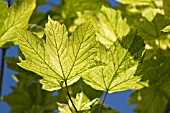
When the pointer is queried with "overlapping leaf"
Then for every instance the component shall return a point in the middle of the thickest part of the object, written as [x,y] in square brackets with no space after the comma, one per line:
[22,76]
[148,99]
[31,98]
[110,26]
[155,69]
[61,58]
[81,5]
[81,102]
[122,60]
[108,23]
[153,22]
[14,18]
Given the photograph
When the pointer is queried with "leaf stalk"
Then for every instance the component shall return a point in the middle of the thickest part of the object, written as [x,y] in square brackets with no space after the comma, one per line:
[101,105]
[70,97]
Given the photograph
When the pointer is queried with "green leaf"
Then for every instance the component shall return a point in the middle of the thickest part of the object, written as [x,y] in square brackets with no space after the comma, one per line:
[63,108]
[81,5]
[155,69]
[108,23]
[110,26]
[152,24]
[105,108]
[22,76]
[60,58]
[38,30]
[16,18]
[149,99]
[31,98]
[166,29]
[122,60]
[135,2]
[166,7]
[81,102]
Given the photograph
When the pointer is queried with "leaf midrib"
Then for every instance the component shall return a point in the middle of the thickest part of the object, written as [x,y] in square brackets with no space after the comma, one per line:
[77,53]
[120,64]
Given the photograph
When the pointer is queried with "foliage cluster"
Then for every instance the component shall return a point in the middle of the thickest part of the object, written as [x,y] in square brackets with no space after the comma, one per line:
[84,48]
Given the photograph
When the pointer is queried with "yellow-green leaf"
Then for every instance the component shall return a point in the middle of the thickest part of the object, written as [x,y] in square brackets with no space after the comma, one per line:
[121,60]
[16,18]
[110,26]
[59,59]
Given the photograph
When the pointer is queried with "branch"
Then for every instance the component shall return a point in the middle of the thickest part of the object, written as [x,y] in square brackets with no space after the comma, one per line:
[101,105]
[2,69]
[70,97]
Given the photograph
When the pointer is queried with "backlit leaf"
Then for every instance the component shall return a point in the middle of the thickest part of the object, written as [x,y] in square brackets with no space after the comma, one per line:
[121,60]
[81,102]
[60,58]
[110,26]
[136,2]
[16,18]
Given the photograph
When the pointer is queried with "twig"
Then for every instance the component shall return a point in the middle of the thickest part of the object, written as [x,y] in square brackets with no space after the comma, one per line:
[70,97]
[2,69]
[101,105]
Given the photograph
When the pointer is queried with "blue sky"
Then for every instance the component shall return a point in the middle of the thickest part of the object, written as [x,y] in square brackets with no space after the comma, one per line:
[118,100]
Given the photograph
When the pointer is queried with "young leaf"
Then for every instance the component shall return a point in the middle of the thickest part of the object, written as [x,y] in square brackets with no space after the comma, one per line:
[82,102]
[61,58]
[110,26]
[122,60]
[63,108]
[17,19]
[166,29]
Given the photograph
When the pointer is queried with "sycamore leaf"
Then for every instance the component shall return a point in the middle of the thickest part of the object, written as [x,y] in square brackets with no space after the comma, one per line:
[81,102]
[110,26]
[148,99]
[38,30]
[105,108]
[23,76]
[63,108]
[135,2]
[3,12]
[61,58]
[121,61]
[166,29]
[166,7]
[155,69]
[17,19]
[31,98]
[81,5]
[108,23]
[152,24]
